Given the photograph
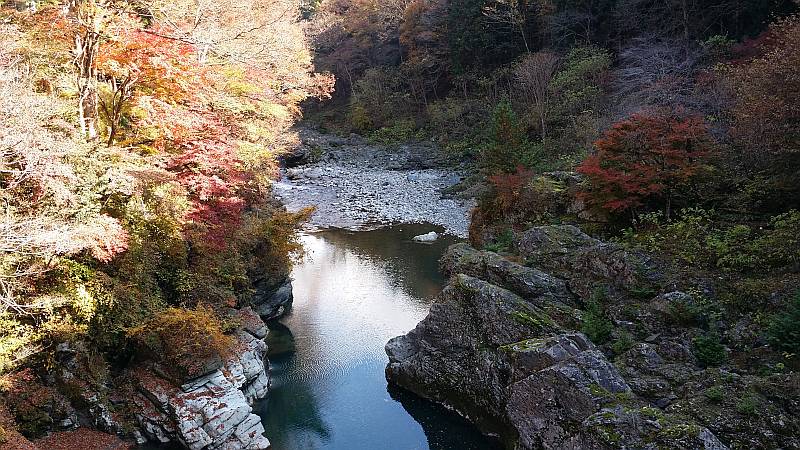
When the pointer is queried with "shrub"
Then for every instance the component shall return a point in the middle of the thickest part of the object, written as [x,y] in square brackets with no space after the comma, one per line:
[709,350]
[623,343]
[185,340]
[596,325]
[520,200]
[747,405]
[714,394]
[502,242]
[780,246]
[783,331]
[694,238]
[396,133]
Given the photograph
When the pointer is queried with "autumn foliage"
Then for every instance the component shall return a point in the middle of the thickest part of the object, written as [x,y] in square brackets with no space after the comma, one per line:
[644,161]
[137,149]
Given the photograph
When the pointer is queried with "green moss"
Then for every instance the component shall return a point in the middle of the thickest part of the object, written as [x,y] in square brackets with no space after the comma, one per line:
[532,319]
[609,435]
[524,346]
[680,431]
[652,413]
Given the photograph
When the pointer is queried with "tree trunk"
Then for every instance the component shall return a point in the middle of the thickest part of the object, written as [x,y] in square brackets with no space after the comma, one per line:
[86,45]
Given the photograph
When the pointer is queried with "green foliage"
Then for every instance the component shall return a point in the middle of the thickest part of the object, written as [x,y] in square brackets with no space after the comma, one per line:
[508,147]
[578,84]
[718,47]
[596,324]
[715,394]
[502,243]
[783,331]
[709,350]
[360,117]
[398,132]
[695,238]
[623,343]
[747,405]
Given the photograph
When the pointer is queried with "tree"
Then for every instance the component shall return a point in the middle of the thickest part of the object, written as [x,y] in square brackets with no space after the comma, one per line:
[532,76]
[426,56]
[645,161]
[766,93]
[510,13]
[508,148]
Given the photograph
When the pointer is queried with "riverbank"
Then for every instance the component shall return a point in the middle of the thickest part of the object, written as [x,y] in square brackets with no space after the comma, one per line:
[355,184]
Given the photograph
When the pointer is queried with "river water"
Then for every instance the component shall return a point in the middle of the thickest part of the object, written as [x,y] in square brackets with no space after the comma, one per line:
[354,292]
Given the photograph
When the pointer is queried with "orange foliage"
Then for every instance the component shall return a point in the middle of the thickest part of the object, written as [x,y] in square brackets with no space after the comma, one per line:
[184,339]
[645,158]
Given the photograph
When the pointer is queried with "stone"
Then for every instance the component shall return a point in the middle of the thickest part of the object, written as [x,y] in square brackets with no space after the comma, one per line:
[427,237]
[497,348]
[531,284]
[212,411]
[273,304]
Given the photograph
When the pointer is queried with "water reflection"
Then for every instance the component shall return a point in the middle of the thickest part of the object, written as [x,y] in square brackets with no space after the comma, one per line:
[354,293]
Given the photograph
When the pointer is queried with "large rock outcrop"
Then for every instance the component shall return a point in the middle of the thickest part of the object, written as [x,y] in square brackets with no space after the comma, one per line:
[498,346]
[270,302]
[213,411]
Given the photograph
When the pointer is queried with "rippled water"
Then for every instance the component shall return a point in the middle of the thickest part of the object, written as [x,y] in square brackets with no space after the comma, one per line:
[355,291]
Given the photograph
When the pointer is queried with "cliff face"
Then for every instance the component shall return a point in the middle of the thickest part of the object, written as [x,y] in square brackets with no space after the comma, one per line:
[500,346]
[214,410]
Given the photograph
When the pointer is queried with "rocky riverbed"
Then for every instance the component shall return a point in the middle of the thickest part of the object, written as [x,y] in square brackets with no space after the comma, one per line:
[358,185]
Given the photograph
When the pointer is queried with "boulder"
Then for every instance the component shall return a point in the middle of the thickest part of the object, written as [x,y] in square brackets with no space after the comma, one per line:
[499,361]
[427,237]
[213,411]
[496,347]
[531,284]
[451,356]
[271,304]
[585,262]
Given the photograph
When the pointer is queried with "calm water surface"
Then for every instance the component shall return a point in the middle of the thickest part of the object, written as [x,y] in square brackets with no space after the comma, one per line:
[354,292]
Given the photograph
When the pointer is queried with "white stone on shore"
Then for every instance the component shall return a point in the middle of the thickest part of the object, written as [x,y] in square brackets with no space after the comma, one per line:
[427,237]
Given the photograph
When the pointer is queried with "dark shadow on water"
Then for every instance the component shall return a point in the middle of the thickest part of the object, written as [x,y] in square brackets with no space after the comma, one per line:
[297,406]
[444,429]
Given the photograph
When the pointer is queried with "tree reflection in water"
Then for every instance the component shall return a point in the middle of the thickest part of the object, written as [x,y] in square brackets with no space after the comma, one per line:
[354,292]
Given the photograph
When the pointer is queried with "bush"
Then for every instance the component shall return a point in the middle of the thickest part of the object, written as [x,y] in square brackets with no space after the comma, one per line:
[783,331]
[502,242]
[747,405]
[694,238]
[184,340]
[396,133]
[714,394]
[709,350]
[596,325]
[508,147]
[623,343]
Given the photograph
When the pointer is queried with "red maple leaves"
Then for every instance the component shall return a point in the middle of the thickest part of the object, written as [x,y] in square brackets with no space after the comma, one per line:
[644,159]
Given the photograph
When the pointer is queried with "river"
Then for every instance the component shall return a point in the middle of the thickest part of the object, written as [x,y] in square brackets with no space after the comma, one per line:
[354,292]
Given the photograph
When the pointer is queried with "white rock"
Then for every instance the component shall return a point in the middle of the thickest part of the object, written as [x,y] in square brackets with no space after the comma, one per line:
[213,411]
[427,237]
